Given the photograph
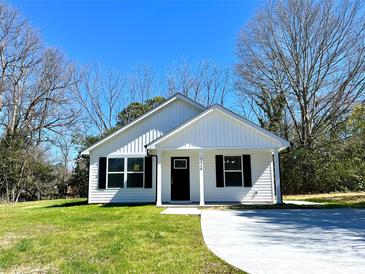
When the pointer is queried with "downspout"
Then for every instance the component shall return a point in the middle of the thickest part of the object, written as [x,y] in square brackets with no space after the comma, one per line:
[88,177]
[156,157]
[281,193]
[286,150]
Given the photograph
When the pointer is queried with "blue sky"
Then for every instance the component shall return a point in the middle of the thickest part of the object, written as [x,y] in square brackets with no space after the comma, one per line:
[121,34]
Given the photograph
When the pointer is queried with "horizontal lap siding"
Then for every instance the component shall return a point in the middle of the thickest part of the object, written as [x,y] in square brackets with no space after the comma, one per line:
[261,177]
[132,142]
[261,180]
[123,195]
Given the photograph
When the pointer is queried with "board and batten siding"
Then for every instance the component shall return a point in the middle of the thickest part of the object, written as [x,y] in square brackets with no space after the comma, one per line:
[260,192]
[133,139]
[217,130]
[130,143]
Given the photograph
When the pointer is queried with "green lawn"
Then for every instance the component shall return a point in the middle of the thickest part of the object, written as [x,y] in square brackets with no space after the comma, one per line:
[347,199]
[69,236]
[326,200]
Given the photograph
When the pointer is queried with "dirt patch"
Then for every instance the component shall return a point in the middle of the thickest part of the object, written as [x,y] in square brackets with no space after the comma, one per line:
[345,196]
[11,238]
[348,198]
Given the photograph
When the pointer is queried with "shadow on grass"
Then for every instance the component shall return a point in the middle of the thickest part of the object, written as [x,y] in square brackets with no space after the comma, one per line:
[69,204]
[85,203]
[125,204]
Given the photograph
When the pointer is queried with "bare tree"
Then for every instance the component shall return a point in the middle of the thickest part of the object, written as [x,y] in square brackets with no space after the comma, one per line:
[10,25]
[38,103]
[63,160]
[35,82]
[205,82]
[142,84]
[18,47]
[304,61]
[100,96]
[217,84]
[37,110]
[180,79]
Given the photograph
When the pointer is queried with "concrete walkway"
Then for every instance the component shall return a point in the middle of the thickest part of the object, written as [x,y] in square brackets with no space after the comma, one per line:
[301,203]
[288,241]
[182,211]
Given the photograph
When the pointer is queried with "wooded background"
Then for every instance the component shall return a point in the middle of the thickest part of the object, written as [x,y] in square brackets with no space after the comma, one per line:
[299,73]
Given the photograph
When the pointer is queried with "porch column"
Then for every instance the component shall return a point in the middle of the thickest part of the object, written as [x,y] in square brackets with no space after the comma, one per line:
[159,179]
[277,177]
[201,177]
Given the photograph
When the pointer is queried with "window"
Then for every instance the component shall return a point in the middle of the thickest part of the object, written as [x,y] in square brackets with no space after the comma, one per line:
[135,172]
[115,172]
[232,170]
[125,172]
[180,164]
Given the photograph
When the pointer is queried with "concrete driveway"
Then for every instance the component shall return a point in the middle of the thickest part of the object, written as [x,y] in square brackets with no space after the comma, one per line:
[288,241]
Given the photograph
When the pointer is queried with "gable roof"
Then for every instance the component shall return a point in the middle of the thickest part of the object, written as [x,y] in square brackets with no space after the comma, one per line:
[282,142]
[142,117]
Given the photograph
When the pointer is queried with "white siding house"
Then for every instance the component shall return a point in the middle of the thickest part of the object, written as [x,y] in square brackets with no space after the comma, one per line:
[182,152]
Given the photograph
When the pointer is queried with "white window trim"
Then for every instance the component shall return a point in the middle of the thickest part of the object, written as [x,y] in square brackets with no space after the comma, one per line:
[114,172]
[186,164]
[234,170]
[133,172]
[125,171]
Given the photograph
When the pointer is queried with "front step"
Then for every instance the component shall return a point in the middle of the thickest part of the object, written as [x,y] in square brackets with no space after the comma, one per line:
[182,211]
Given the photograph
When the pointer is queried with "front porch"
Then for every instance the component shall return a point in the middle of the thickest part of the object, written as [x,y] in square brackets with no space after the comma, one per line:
[208,204]
[202,181]
[230,160]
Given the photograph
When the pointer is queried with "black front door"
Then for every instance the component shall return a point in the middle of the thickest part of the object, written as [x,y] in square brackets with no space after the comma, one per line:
[180,179]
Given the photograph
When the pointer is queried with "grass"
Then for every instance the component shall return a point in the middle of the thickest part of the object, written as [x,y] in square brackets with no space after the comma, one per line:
[327,200]
[349,199]
[69,236]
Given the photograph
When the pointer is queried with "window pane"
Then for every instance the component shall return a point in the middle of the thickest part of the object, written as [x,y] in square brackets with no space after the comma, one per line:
[180,163]
[115,180]
[135,164]
[116,164]
[232,163]
[135,180]
[233,178]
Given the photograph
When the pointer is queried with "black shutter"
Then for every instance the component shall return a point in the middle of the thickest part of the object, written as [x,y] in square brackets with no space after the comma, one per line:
[219,170]
[102,173]
[246,163]
[148,172]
